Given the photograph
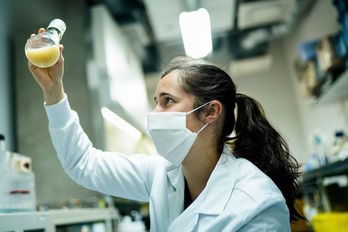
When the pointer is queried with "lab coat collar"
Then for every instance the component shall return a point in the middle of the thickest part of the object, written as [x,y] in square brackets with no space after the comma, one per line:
[175,176]
[220,185]
[175,191]
[216,194]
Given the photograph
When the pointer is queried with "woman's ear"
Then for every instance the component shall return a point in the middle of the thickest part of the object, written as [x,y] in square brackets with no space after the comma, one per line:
[213,112]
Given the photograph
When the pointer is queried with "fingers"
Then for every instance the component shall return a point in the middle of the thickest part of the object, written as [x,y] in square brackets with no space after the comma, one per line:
[31,67]
[61,48]
[40,31]
[61,58]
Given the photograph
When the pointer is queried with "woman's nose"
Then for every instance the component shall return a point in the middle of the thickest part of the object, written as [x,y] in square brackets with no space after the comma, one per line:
[157,108]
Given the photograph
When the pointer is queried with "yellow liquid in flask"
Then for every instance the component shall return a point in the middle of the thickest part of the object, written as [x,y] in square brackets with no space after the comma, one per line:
[43,57]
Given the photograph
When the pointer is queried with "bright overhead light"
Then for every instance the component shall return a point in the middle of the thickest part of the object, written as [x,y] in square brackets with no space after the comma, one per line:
[120,123]
[196,33]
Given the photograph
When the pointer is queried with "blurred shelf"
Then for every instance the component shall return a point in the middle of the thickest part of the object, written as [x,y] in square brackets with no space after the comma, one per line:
[335,91]
[326,188]
[327,170]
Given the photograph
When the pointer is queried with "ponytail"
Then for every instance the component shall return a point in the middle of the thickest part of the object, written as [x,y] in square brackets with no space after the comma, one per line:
[257,141]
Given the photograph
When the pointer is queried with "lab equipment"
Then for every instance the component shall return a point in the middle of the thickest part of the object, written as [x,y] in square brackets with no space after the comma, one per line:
[42,49]
[67,220]
[17,189]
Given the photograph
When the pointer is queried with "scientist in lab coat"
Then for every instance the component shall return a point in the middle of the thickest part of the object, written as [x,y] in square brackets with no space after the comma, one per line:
[202,179]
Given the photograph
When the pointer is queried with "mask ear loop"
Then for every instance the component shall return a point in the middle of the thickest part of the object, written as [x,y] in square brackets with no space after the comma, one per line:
[203,127]
[198,108]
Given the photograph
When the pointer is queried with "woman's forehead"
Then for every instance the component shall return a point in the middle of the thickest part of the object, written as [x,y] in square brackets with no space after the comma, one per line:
[169,83]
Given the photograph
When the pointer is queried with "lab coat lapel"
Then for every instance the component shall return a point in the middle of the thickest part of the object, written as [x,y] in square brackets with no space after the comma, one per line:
[220,185]
[175,191]
[213,198]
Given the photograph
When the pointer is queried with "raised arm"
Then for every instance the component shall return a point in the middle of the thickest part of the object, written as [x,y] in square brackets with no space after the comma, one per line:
[110,173]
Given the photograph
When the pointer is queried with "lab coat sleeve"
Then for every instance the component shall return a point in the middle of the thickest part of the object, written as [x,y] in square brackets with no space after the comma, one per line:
[116,174]
[274,218]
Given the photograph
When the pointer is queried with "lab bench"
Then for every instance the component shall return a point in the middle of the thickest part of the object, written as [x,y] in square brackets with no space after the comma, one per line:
[103,220]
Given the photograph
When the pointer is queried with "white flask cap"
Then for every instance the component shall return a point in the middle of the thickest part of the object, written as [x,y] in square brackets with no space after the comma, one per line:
[59,25]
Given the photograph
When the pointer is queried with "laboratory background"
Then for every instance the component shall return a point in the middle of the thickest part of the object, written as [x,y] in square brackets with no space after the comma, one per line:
[291,55]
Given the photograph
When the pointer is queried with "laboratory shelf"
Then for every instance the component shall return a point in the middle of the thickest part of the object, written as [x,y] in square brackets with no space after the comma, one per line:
[331,169]
[334,91]
[325,189]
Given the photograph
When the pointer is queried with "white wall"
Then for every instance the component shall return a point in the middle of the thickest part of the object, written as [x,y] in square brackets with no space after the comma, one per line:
[114,57]
[275,91]
[120,81]
[321,21]
[6,103]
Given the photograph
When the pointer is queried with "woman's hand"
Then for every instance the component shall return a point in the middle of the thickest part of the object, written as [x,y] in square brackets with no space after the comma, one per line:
[50,79]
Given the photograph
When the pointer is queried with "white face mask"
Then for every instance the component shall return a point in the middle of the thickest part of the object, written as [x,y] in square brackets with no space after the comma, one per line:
[169,134]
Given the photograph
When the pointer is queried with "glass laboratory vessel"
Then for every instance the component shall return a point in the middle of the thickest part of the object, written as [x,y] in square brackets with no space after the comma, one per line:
[42,49]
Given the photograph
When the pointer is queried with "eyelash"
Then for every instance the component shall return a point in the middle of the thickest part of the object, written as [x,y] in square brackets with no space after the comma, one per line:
[165,101]
[169,99]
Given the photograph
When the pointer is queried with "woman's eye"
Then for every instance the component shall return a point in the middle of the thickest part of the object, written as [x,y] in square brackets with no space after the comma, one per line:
[169,100]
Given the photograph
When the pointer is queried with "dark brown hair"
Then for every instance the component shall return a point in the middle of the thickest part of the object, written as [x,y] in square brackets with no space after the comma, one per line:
[256,140]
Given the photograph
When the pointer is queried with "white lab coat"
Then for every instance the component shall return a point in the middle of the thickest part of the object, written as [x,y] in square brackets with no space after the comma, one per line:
[237,197]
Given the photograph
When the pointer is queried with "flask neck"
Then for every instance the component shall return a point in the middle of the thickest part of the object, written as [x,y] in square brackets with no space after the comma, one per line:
[54,34]
[57,25]
[53,30]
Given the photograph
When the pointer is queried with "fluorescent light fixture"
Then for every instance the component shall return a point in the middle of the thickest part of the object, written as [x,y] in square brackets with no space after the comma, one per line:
[196,33]
[120,123]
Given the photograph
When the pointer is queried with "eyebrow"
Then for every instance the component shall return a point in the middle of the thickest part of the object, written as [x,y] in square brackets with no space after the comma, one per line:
[162,94]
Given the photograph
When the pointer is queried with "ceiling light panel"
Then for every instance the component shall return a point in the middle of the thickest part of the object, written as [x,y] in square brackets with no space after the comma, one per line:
[164,16]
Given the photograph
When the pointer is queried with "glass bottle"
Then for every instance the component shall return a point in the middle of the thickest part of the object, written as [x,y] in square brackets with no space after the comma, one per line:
[42,49]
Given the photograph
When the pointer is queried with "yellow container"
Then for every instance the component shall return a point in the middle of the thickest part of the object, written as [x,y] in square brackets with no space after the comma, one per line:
[330,222]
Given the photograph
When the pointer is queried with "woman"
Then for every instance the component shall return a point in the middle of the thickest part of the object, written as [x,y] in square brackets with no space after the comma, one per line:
[197,183]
